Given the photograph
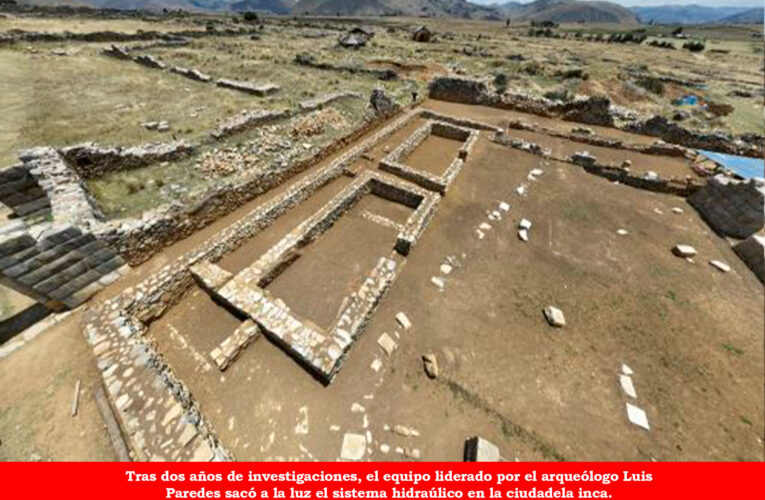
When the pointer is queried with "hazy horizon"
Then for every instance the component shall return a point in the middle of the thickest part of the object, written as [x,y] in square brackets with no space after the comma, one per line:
[653,3]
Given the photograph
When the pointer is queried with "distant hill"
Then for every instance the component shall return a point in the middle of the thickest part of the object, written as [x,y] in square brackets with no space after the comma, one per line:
[569,11]
[272,6]
[751,16]
[430,8]
[685,14]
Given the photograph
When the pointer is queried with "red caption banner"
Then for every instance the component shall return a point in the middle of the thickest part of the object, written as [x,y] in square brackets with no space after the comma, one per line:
[333,481]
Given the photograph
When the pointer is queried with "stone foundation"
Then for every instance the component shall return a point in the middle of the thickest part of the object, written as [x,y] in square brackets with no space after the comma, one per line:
[439,183]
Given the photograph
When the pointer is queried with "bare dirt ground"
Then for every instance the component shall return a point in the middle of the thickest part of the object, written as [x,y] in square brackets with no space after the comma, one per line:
[692,335]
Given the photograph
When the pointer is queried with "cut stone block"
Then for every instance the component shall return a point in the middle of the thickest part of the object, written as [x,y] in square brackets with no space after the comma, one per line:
[627,386]
[403,321]
[354,446]
[478,449]
[684,251]
[387,343]
[722,266]
[637,416]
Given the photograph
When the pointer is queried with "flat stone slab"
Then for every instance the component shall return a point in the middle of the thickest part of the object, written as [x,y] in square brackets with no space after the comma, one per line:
[262,89]
[354,447]
[210,276]
[478,449]
[684,251]
[637,416]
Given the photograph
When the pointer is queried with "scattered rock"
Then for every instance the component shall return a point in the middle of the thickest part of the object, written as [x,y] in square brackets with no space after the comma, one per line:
[677,210]
[354,446]
[478,449]
[485,226]
[439,282]
[684,251]
[622,232]
[376,365]
[554,316]
[627,370]
[524,224]
[387,343]
[430,363]
[523,234]
[651,176]
[637,416]
[627,386]
[722,266]
[403,321]
[505,207]
[446,268]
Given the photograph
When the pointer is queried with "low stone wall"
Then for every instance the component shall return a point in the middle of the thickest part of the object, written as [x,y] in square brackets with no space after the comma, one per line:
[393,163]
[20,192]
[730,207]
[69,199]
[61,268]
[114,36]
[150,391]
[247,120]
[658,148]
[320,102]
[611,172]
[91,160]
[591,110]
[319,350]
[263,89]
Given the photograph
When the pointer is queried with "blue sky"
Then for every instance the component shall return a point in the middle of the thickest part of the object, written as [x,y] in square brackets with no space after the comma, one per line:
[630,3]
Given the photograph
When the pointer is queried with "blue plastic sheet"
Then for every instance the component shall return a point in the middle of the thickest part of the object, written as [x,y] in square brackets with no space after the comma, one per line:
[747,168]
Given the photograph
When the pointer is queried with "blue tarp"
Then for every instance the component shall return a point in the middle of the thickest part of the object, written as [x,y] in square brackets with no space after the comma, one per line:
[689,100]
[743,166]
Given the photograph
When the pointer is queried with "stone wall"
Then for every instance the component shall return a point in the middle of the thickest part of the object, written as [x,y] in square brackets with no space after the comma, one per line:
[61,268]
[592,110]
[152,394]
[752,252]
[394,162]
[20,192]
[91,160]
[732,208]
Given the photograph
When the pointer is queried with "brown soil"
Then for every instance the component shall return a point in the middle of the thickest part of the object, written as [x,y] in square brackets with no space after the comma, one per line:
[692,335]
[434,155]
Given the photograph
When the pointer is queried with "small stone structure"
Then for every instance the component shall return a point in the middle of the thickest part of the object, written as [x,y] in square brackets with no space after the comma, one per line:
[61,268]
[319,350]
[320,102]
[155,410]
[261,90]
[752,252]
[439,183]
[192,74]
[732,208]
[52,254]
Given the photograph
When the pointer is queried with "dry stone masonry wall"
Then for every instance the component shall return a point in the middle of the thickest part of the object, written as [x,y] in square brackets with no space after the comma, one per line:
[393,163]
[154,408]
[732,208]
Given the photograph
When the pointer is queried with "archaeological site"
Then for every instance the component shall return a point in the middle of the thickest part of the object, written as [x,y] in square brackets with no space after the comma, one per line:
[304,235]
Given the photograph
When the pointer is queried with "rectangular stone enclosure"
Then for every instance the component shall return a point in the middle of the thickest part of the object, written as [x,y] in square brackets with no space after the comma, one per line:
[319,350]
[393,163]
